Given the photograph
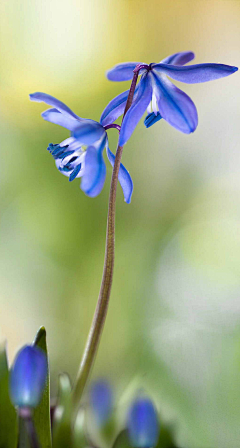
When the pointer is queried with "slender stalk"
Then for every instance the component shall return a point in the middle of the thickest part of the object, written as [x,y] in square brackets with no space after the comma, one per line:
[104,295]
[26,416]
[32,433]
[131,92]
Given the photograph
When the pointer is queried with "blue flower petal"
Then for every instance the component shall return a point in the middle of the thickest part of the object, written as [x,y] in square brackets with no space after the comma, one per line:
[115,108]
[137,109]
[51,101]
[123,177]
[179,58]
[56,117]
[88,132]
[174,105]
[121,72]
[94,171]
[151,119]
[193,74]
[28,376]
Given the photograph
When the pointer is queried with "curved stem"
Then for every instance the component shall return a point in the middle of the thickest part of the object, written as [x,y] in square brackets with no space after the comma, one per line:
[112,126]
[103,300]
[104,295]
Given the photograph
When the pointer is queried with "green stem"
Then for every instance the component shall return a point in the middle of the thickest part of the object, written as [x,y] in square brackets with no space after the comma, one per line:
[104,295]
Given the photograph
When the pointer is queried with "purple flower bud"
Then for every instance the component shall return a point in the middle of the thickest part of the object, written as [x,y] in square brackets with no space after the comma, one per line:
[143,424]
[28,376]
[101,401]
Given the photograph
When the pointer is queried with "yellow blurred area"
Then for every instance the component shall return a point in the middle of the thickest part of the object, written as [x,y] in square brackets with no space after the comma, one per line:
[174,318]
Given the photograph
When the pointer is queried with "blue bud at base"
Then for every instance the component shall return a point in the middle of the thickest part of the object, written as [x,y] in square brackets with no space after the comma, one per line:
[28,376]
[142,424]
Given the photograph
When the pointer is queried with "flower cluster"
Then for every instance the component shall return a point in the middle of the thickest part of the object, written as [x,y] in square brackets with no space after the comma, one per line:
[81,155]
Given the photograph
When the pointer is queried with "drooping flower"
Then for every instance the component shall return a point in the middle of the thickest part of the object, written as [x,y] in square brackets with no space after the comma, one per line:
[156,91]
[81,155]
[143,423]
[101,401]
[28,376]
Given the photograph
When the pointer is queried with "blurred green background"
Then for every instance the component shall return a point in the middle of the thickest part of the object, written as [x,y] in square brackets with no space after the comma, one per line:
[174,319]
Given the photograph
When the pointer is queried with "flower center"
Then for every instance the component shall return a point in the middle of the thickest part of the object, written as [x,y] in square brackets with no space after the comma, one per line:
[69,162]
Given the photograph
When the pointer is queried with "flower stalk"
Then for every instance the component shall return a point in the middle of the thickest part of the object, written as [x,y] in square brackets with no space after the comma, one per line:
[26,415]
[32,433]
[99,317]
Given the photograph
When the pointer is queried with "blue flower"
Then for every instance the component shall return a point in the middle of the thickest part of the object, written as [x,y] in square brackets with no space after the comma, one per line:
[101,401]
[28,376]
[81,155]
[158,95]
[143,424]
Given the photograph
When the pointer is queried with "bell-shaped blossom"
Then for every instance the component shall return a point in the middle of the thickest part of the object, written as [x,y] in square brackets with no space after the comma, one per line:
[143,423]
[156,93]
[81,155]
[28,376]
[101,401]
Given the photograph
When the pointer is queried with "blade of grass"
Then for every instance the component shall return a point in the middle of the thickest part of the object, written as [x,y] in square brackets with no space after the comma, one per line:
[41,415]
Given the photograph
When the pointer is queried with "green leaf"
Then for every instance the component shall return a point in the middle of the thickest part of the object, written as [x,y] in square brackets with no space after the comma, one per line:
[62,429]
[41,415]
[166,439]
[122,440]
[64,393]
[8,415]
[65,432]
[79,430]
[109,429]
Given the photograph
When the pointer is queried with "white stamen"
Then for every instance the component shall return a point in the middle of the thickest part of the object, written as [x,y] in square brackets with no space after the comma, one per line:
[68,141]
[80,159]
[154,104]
[149,108]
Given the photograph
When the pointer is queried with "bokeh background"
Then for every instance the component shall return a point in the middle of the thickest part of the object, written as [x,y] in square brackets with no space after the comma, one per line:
[173,325]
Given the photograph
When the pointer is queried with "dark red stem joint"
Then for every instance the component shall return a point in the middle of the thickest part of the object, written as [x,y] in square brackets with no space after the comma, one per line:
[139,67]
[113,125]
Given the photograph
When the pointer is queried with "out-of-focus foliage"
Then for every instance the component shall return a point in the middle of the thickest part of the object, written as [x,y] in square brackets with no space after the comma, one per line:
[174,319]
[62,424]
[42,411]
[8,416]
